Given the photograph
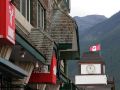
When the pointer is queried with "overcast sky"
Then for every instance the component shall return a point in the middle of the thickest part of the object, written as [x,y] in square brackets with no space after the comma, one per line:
[88,7]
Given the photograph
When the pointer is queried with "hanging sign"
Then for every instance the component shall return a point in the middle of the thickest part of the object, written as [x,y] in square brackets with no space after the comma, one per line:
[7,22]
[41,77]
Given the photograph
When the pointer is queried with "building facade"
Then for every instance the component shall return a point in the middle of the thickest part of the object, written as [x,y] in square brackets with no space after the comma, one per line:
[92,73]
[45,38]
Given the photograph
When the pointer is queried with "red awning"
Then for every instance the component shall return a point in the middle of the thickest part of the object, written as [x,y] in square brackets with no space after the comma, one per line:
[45,77]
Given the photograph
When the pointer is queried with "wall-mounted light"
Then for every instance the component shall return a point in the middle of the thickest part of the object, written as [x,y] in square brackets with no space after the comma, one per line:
[22,53]
[37,65]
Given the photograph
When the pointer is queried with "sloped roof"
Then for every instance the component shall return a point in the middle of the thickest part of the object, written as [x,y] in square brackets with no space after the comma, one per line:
[92,57]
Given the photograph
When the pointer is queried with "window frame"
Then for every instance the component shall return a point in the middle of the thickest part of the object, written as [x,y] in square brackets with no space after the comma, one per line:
[27,9]
[41,19]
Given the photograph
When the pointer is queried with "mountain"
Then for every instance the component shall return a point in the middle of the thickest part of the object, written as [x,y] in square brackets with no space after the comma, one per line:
[88,21]
[84,23]
[107,33]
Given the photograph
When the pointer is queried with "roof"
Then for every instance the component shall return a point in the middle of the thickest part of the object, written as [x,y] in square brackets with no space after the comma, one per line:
[94,57]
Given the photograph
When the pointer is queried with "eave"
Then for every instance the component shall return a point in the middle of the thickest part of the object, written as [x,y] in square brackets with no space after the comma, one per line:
[12,70]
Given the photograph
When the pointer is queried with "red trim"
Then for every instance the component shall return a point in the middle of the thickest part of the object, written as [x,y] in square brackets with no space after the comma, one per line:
[42,78]
[90,62]
[45,77]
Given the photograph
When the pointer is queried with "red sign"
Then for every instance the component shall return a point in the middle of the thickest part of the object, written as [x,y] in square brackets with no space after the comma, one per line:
[7,22]
[49,77]
[95,48]
[53,68]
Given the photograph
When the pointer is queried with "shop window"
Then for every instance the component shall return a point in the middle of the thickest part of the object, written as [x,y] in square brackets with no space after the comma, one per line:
[40,16]
[68,3]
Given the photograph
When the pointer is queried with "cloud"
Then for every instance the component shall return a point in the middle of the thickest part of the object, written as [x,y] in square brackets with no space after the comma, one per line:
[87,7]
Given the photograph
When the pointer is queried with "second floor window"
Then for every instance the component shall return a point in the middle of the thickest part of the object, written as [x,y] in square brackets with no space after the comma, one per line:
[40,16]
[25,8]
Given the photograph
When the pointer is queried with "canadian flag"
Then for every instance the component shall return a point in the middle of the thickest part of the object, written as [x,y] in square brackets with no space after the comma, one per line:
[96,47]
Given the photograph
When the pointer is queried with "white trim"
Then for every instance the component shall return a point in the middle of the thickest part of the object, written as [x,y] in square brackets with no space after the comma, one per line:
[22,22]
[90,79]
[96,69]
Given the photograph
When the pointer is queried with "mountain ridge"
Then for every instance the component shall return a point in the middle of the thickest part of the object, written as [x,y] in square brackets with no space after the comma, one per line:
[88,21]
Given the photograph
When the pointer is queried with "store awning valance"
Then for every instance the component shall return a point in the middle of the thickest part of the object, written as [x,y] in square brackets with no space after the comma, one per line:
[25,44]
[11,69]
[43,77]
[69,55]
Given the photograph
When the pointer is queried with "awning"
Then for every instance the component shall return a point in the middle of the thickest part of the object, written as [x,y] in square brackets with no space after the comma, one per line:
[25,44]
[10,69]
[49,77]
[64,46]
[69,55]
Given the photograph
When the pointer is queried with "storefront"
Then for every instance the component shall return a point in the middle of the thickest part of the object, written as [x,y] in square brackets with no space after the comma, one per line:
[8,72]
[14,69]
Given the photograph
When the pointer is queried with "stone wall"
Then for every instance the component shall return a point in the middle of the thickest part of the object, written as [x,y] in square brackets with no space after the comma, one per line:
[43,43]
[34,13]
[62,28]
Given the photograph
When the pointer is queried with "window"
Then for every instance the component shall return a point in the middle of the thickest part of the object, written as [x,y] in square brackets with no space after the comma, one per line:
[68,4]
[25,8]
[40,16]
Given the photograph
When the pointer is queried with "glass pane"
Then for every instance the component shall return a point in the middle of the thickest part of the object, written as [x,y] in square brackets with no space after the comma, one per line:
[38,15]
[42,18]
[24,8]
[28,10]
